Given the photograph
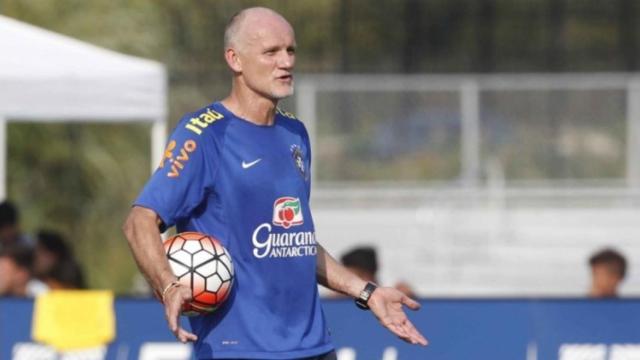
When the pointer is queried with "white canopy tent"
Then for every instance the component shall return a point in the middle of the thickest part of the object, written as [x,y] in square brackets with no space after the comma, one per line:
[48,77]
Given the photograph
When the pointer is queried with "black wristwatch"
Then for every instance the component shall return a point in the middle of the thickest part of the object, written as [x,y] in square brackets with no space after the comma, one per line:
[363,300]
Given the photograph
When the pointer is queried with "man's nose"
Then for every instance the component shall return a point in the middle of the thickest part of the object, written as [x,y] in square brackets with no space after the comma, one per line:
[287,61]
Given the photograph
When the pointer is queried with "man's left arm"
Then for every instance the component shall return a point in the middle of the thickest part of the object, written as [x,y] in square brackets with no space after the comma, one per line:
[385,302]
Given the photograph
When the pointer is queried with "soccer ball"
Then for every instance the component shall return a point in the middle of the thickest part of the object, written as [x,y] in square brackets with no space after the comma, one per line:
[201,263]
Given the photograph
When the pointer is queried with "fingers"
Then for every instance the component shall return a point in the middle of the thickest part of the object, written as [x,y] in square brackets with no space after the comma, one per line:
[397,330]
[409,334]
[404,329]
[171,313]
[414,335]
[410,303]
[173,303]
[390,313]
[183,335]
[172,307]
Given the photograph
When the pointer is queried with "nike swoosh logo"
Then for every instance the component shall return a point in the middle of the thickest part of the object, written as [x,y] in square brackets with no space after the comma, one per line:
[248,165]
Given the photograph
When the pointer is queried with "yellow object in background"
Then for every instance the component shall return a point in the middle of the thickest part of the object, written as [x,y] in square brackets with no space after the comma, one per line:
[74,319]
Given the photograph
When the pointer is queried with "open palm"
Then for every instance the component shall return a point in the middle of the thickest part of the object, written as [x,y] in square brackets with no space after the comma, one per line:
[386,304]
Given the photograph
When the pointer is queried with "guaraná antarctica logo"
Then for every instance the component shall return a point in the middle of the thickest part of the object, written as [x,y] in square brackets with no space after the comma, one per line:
[287,213]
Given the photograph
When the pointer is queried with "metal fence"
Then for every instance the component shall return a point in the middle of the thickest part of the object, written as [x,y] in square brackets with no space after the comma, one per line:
[477,185]
[470,129]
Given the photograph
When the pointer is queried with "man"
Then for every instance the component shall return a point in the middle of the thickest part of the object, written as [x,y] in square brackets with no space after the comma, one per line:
[50,250]
[238,170]
[16,279]
[608,269]
[362,261]
[65,274]
[10,225]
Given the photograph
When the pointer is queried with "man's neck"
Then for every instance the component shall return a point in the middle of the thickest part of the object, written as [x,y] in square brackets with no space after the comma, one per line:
[599,293]
[250,106]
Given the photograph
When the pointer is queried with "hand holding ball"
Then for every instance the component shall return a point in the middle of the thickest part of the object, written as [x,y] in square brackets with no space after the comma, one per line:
[202,264]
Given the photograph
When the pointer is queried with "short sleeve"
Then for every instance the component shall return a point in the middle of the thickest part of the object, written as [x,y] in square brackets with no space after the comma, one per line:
[184,176]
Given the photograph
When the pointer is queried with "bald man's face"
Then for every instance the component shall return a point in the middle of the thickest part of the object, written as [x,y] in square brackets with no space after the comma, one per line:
[265,47]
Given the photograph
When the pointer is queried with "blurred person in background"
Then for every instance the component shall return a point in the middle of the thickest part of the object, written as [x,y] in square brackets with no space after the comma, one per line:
[50,250]
[608,269]
[363,261]
[65,275]
[10,232]
[54,262]
[16,278]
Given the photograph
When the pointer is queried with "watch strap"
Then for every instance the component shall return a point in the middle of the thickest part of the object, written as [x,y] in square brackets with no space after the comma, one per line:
[362,301]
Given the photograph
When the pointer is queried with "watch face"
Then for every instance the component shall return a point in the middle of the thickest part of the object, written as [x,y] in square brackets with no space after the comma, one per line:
[365,294]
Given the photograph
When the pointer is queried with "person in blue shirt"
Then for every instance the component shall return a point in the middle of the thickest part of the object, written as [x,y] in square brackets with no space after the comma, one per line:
[239,170]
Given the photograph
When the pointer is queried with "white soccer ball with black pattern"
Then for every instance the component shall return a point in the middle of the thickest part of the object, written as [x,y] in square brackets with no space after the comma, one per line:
[201,263]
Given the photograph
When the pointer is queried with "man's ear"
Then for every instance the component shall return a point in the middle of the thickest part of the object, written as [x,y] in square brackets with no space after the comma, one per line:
[233,60]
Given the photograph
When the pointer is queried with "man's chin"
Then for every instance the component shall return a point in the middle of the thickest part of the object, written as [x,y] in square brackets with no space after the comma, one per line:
[277,93]
[282,92]
[280,95]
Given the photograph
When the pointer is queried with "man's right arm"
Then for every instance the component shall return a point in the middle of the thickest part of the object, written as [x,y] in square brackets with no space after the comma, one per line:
[141,230]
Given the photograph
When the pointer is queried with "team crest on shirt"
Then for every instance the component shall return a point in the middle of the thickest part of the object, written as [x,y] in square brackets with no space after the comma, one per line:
[296,153]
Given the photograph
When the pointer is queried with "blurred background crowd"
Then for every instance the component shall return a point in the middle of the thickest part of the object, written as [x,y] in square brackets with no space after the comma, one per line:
[30,266]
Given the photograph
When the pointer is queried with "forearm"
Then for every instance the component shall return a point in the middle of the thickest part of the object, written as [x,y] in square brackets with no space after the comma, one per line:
[335,276]
[141,230]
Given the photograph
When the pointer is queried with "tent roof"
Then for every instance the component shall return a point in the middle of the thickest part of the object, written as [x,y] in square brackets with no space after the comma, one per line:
[46,76]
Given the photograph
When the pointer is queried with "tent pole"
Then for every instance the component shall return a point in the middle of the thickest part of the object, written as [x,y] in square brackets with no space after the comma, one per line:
[158,139]
[3,158]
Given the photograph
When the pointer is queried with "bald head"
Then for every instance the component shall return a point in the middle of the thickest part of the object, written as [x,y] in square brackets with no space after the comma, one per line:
[260,49]
[248,21]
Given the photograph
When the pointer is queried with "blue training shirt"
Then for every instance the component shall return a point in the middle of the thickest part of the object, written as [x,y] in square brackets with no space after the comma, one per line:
[248,186]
